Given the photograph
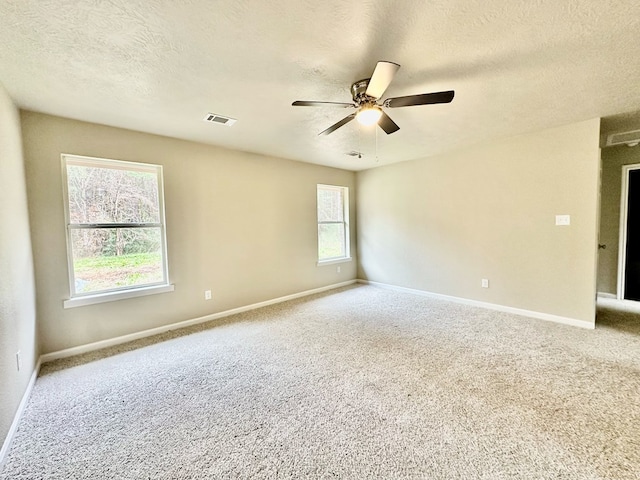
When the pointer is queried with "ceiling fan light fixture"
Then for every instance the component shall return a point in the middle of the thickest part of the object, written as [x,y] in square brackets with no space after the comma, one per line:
[369,115]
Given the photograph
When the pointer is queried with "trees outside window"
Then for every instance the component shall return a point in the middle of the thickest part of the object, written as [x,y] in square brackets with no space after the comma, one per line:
[333,222]
[115,225]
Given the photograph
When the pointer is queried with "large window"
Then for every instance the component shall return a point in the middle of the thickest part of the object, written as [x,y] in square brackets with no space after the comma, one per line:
[333,223]
[115,229]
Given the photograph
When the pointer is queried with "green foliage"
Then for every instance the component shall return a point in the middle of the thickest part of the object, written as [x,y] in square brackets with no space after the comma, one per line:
[106,272]
[117,261]
[331,241]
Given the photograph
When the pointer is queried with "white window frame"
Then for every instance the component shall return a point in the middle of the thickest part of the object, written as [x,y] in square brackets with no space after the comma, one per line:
[119,293]
[344,191]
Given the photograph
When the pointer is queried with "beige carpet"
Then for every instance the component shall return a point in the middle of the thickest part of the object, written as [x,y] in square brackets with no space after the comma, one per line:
[357,383]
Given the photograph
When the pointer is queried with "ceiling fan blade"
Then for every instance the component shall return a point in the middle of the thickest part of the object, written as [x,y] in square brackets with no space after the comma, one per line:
[388,125]
[381,78]
[423,99]
[336,126]
[302,103]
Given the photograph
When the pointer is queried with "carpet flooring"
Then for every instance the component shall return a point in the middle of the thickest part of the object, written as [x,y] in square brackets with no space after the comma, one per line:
[360,382]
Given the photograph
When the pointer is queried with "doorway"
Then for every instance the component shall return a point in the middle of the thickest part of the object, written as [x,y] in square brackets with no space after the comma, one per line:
[629,253]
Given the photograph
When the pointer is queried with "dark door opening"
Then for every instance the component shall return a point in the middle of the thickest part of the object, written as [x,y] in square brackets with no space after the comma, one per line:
[632,251]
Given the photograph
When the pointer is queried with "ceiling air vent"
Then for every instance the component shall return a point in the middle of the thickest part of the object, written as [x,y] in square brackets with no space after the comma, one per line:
[219,119]
[631,138]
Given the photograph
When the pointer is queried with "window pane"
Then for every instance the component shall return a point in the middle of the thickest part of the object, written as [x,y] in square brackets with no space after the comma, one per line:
[331,241]
[111,258]
[108,195]
[330,208]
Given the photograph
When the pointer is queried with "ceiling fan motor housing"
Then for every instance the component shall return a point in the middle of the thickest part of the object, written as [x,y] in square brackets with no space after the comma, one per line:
[358,90]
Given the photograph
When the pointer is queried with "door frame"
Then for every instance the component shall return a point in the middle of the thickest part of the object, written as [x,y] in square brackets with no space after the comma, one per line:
[622,242]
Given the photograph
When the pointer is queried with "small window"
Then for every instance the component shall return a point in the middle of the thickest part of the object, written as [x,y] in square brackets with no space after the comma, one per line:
[333,223]
[114,212]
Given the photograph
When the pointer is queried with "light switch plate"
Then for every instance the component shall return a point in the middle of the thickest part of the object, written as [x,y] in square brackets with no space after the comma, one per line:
[563,219]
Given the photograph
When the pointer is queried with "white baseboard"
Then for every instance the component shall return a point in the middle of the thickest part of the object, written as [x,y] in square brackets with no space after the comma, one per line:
[69,352]
[607,295]
[16,418]
[491,306]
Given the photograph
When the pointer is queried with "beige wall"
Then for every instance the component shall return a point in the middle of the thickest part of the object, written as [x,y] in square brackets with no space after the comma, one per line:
[613,159]
[443,223]
[242,225]
[17,291]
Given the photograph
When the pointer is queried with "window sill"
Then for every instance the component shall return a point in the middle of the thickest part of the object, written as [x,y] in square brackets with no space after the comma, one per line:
[333,261]
[114,296]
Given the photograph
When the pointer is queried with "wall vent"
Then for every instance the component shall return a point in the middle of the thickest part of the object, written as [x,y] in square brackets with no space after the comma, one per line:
[630,138]
[219,119]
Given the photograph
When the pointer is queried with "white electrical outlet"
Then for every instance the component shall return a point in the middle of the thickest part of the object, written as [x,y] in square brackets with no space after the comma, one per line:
[485,283]
[18,360]
[563,219]
[338,269]
[207,294]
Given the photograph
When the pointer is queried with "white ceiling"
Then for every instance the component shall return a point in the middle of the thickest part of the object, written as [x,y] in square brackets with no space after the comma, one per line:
[160,66]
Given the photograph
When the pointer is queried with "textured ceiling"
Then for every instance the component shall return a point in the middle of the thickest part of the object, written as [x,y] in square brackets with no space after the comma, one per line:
[160,66]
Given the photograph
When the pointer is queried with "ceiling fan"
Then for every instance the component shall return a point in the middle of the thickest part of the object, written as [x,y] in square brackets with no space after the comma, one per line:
[366,94]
